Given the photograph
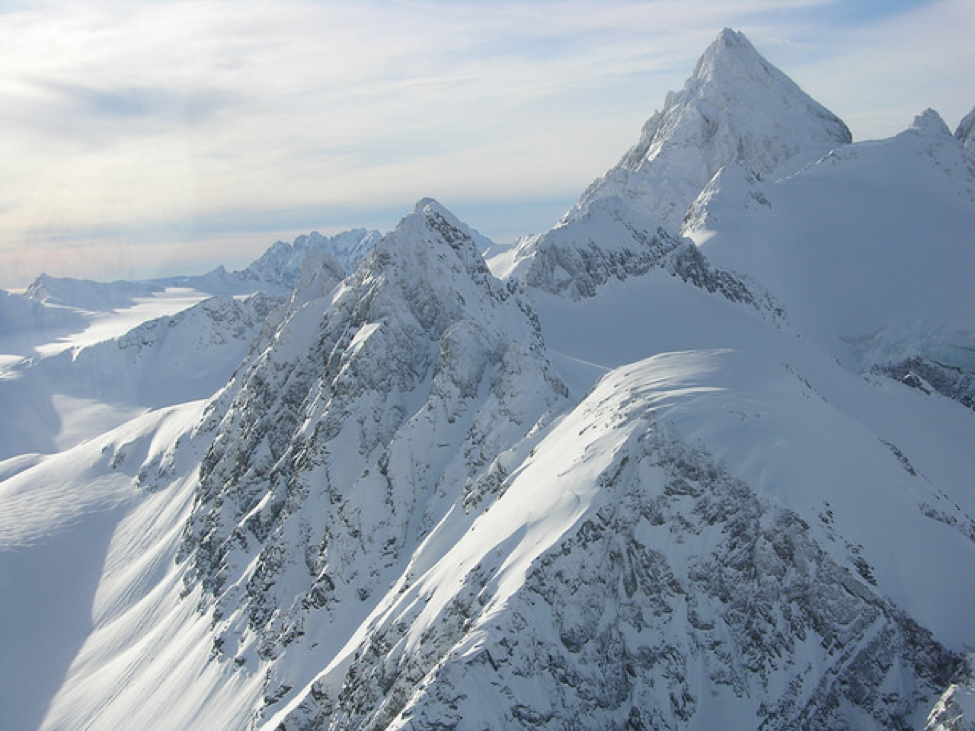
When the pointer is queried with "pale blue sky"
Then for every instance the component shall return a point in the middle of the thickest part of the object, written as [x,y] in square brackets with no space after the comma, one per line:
[140,139]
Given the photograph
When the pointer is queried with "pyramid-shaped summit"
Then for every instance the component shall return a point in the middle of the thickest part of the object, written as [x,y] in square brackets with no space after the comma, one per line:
[735,108]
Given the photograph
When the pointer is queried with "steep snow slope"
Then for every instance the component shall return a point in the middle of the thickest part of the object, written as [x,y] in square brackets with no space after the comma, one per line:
[735,108]
[53,402]
[870,250]
[656,562]
[630,487]
[82,534]
[613,240]
[370,415]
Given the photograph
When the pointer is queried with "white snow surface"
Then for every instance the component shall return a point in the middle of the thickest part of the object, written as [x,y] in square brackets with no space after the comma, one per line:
[628,482]
[870,244]
[83,385]
[735,108]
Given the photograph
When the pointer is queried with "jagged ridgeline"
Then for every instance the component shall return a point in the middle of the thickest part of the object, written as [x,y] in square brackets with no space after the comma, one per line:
[361,419]
[698,457]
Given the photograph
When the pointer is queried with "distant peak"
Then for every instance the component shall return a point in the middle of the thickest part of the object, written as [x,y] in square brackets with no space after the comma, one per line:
[929,122]
[436,214]
[736,108]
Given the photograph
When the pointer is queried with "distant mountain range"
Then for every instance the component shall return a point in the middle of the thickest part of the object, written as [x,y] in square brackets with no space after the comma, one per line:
[698,457]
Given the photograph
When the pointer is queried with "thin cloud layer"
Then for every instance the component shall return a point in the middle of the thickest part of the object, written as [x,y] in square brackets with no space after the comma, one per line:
[147,131]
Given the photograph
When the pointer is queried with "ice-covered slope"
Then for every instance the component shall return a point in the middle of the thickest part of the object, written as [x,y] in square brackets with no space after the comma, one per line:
[735,108]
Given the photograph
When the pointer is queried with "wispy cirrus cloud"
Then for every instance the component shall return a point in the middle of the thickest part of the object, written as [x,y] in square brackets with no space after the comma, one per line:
[155,124]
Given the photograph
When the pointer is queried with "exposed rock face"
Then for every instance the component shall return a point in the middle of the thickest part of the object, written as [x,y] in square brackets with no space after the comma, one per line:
[677,598]
[614,240]
[965,132]
[312,494]
[955,710]
[930,376]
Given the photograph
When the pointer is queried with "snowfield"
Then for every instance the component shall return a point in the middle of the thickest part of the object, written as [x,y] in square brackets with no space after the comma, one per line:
[698,457]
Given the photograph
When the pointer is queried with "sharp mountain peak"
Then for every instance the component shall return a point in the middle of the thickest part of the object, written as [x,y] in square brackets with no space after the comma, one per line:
[735,108]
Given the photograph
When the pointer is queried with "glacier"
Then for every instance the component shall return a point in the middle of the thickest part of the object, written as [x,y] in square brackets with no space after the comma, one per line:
[697,457]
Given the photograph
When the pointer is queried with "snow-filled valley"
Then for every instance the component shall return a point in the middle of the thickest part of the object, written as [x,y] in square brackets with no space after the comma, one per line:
[701,456]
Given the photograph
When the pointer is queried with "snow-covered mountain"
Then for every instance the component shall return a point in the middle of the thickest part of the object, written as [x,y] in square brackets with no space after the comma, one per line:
[420,345]
[870,251]
[279,268]
[735,108]
[53,402]
[619,475]
[276,272]
[89,295]
[614,240]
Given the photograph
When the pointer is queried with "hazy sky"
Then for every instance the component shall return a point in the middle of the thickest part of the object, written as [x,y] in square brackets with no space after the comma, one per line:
[140,139]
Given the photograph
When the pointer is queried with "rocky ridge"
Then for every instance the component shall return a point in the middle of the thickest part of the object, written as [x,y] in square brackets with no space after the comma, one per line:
[673,596]
[396,515]
[421,345]
[613,239]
